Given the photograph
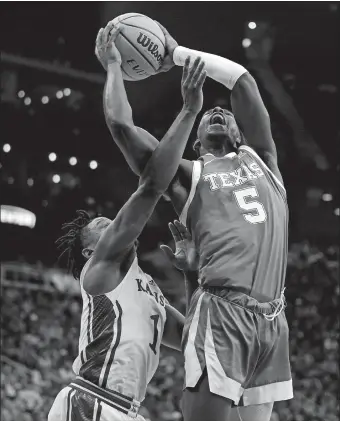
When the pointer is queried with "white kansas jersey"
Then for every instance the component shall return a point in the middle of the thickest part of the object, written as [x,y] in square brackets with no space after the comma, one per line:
[120,334]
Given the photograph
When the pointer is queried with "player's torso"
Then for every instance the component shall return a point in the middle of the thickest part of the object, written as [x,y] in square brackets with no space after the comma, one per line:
[121,333]
[238,217]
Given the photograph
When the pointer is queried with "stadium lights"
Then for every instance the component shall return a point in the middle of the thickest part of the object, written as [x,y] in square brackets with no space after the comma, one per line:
[56,178]
[93,165]
[59,94]
[7,147]
[327,197]
[73,160]
[52,156]
[246,42]
[45,99]
[337,212]
[10,180]
[67,91]
[21,94]
[27,101]
[30,182]
[17,216]
[251,25]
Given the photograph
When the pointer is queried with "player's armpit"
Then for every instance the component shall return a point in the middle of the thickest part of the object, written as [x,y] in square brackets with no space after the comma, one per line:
[172,336]
[252,115]
[135,143]
[180,186]
[104,276]
[271,163]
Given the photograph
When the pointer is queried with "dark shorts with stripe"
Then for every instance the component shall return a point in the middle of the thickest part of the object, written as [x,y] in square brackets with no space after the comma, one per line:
[84,401]
[246,356]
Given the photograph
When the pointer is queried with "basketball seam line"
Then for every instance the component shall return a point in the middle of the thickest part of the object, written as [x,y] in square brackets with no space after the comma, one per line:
[138,51]
[133,16]
[135,26]
[127,73]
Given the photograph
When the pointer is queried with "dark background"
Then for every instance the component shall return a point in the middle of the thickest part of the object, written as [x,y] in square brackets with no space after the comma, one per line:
[48,47]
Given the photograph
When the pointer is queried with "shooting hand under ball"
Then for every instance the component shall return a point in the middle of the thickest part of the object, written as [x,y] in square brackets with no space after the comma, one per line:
[170,45]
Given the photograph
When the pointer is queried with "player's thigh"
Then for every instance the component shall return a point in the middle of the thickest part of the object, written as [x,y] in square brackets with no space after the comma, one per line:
[58,411]
[108,413]
[260,412]
[199,404]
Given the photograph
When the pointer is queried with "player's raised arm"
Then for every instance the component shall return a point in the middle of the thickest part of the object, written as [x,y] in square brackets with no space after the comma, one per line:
[135,143]
[158,173]
[248,107]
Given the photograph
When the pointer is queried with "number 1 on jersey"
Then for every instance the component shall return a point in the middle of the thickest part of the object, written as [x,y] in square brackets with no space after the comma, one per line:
[155,319]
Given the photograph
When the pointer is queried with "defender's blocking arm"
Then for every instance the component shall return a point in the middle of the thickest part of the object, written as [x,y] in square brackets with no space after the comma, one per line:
[158,173]
[135,143]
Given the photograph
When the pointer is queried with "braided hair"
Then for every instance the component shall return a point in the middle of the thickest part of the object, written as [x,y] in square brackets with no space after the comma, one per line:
[71,242]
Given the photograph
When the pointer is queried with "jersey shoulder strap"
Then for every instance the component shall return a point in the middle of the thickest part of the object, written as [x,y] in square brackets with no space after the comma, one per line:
[195,177]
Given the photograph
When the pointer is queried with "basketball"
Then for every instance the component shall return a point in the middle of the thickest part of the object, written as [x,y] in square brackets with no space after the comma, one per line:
[141,44]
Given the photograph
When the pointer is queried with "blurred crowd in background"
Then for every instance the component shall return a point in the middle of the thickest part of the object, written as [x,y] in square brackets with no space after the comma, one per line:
[57,156]
[40,329]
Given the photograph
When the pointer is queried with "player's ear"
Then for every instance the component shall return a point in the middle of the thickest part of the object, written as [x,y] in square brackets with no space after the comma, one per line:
[196,147]
[87,253]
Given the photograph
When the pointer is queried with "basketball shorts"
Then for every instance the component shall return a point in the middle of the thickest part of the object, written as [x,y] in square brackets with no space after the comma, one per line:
[84,401]
[245,355]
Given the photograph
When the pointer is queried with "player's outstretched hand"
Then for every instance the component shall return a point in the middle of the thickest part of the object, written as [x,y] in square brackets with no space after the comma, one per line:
[185,257]
[105,50]
[170,45]
[192,82]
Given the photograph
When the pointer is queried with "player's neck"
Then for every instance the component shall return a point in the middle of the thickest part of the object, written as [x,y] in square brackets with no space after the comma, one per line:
[219,151]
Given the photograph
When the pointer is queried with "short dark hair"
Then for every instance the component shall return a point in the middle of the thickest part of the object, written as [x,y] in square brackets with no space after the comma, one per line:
[71,242]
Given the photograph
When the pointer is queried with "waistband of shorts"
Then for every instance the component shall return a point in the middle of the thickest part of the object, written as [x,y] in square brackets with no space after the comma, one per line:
[122,403]
[244,300]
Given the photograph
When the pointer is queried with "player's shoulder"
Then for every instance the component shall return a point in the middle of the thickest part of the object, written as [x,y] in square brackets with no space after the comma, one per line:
[266,158]
[268,163]
[103,276]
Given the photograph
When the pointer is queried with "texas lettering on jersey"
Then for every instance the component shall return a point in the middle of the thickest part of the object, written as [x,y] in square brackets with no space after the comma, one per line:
[242,174]
[144,287]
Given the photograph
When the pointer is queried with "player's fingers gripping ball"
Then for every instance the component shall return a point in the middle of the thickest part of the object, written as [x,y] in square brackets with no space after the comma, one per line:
[141,43]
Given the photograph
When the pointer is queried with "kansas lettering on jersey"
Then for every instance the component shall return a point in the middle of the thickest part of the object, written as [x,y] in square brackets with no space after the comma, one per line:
[120,334]
[237,213]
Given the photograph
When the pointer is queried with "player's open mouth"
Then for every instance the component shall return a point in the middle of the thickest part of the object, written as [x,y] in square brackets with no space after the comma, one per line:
[217,118]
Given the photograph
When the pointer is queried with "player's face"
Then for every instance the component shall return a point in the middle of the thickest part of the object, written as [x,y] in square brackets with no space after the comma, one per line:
[217,126]
[97,226]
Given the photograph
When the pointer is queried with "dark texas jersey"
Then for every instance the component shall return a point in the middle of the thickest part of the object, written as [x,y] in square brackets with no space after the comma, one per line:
[238,216]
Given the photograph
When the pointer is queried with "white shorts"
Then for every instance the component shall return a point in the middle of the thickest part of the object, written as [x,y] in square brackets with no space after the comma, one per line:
[73,405]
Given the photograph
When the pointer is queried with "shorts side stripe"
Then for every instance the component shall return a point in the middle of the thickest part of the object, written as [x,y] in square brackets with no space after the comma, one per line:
[193,370]
[97,410]
[219,382]
[70,395]
[68,404]
[271,392]
[89,318]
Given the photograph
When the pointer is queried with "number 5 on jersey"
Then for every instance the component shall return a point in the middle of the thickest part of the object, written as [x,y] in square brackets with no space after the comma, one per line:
[256,213]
